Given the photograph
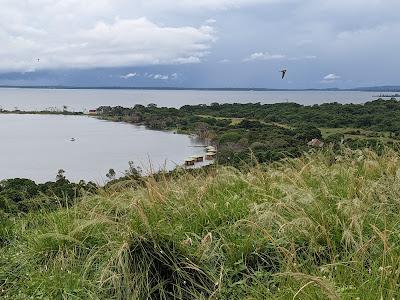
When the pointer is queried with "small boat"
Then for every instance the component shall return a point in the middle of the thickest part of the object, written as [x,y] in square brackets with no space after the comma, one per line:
[73,140]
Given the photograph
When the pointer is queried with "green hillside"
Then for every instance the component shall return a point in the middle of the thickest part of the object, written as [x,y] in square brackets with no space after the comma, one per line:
[323,226]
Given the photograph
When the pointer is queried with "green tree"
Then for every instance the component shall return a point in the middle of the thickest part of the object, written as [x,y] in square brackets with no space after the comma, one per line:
[111,174]
[60,175]
[307,133]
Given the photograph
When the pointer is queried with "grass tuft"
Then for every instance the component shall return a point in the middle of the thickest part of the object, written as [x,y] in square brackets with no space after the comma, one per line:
[322,226]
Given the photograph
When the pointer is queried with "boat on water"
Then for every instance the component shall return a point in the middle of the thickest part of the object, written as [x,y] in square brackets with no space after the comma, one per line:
[72,139]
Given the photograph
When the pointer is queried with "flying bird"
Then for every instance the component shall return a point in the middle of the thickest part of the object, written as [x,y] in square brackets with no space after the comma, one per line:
[283,73]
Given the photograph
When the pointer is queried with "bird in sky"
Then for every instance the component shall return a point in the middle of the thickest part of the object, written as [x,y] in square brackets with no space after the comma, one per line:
[283,73]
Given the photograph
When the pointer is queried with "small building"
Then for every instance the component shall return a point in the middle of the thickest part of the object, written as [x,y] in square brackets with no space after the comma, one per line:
[198,158]
[92,112]
[315,143]
[189,162]
[211,149]
[211,155]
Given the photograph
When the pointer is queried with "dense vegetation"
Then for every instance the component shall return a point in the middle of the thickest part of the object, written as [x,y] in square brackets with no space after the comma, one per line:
[379,115]
[322,226]
[270,132]
[24,195]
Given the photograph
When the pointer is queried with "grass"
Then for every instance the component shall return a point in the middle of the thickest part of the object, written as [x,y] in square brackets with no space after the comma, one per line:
[357,133]
[236,121]
[324,226]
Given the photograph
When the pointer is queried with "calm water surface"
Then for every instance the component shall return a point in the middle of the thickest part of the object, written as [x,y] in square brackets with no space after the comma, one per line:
[37,146]
[80,100]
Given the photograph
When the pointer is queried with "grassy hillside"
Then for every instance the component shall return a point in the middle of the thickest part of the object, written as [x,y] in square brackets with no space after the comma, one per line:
[324,226]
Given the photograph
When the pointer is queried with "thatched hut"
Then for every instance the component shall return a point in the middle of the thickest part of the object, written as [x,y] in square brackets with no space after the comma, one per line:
[211,155]
[190,162]
[316,143]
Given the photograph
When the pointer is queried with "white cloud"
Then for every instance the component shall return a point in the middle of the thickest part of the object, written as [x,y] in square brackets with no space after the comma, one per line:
[129,75]
[160,77]
[331,77]
[211,21]
[306,57]
[190,59]
[108,33]
[206,4]
[263,56]
[87,34]
[172,76]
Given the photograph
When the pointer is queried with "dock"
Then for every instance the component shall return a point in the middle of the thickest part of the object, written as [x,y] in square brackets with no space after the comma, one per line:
[189,162]
[211,154]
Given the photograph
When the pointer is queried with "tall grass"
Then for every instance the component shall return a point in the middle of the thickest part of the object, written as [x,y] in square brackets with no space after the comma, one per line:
[323,226]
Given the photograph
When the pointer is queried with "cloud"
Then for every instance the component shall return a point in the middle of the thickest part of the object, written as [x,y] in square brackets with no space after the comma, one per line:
[129,75]
[160,77]
[87,35]
[211,21]
[189,60]
[224,61]
[263,56]
[172,76]
[305,57]
[193,5]
[330,78]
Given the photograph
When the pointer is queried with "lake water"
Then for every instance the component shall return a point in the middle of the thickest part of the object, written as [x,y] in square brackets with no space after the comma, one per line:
[37,146]
[80,100]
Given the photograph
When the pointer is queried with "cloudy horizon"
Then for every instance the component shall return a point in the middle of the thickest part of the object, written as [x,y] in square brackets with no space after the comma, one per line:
[219,43]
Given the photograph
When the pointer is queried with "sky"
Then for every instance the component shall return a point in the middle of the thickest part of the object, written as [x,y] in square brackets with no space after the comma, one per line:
[200,43]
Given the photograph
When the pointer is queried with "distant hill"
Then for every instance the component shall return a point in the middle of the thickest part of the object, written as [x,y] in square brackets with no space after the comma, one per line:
[388,88]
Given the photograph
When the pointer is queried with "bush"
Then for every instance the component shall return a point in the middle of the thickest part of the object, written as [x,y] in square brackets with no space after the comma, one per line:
[230,137]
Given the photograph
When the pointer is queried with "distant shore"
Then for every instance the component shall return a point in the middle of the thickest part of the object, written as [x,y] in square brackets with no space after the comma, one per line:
[42,112]
[387,89]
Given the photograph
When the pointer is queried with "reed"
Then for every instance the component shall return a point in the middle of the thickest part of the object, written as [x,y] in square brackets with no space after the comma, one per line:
[323,226]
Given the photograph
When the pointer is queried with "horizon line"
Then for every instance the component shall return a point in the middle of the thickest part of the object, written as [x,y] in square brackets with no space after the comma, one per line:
[380,88]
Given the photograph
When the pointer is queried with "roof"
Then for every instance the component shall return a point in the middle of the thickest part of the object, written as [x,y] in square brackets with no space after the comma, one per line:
[315,143]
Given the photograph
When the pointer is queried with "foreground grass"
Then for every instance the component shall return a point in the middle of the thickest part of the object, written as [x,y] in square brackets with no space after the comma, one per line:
[320,227]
